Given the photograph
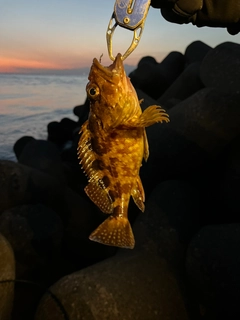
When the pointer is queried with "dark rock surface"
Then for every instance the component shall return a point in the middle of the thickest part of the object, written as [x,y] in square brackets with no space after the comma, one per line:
[231,180]
[44,156]
[61,132]
[220,68]
[196,51]
[21,185]
[154,78]
[183,87]
[212,265]
[82,111]
[35,233]
[20,144]
[196,135]
[7,272]
[118,289]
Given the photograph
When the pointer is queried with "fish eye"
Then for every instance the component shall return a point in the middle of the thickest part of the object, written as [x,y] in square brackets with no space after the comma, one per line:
[93,91]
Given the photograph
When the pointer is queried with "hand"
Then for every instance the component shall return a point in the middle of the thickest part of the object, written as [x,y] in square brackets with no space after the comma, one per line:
[212,13]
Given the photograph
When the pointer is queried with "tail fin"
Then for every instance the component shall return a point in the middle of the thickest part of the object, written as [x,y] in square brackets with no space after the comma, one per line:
[114,231]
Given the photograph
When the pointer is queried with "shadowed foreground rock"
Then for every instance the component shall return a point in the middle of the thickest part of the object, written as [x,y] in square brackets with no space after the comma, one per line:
[7,272]
[23,185]
[212,265]
[44,156]
[35,233]
[139,284]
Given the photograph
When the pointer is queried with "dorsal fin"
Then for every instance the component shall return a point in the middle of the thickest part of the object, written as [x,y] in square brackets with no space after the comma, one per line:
[96,189]
[86,154]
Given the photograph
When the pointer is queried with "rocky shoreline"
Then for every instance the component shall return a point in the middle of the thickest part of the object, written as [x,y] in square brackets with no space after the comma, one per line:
[186,264]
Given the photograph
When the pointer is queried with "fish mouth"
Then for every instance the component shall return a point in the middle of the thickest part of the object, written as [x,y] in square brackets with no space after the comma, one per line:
[115,68]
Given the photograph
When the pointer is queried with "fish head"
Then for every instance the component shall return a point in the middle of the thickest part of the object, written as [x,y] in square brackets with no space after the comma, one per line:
[111,93]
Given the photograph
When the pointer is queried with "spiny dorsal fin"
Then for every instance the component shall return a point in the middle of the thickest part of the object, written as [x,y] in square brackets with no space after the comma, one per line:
[96,190]
[86,154]
[114,231]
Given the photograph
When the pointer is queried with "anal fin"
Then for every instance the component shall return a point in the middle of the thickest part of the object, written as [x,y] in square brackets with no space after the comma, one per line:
[99,196]
[114,231]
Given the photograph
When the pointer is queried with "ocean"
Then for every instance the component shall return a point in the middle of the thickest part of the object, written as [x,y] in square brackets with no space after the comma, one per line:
[29,102]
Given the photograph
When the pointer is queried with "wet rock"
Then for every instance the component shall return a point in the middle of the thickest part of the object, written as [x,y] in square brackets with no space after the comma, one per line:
[7,273]
[184,86]
[220,68]
[213,269]
[196,51]
[44,156]
[154,78]
[35,233]
[20,144]
[136,284]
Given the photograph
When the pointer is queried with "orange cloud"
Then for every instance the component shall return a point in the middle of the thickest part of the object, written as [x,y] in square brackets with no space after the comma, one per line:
[13,64]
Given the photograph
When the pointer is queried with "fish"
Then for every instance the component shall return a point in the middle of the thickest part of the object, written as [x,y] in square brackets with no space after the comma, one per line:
[111,148]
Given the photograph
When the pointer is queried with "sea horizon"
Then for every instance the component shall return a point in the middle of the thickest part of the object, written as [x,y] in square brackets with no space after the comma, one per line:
[60,72]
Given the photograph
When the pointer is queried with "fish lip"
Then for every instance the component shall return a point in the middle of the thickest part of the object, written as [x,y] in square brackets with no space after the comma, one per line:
[116,67]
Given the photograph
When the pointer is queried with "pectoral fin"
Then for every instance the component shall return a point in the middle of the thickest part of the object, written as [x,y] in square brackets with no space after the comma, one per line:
[149,116]
[99,196]
[138,194]
[152,115]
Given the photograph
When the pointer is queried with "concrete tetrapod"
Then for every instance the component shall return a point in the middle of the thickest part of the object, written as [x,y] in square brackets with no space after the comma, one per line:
[7,272]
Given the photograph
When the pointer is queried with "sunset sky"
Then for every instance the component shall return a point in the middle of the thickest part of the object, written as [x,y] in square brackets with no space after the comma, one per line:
[68,34]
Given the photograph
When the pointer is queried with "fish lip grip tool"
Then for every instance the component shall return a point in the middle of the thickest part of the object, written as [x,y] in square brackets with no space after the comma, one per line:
[131,15]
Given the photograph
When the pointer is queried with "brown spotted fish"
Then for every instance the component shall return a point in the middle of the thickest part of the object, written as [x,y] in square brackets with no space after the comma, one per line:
[112,145]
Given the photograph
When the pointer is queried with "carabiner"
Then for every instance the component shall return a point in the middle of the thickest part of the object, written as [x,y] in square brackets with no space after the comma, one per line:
[129,14]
